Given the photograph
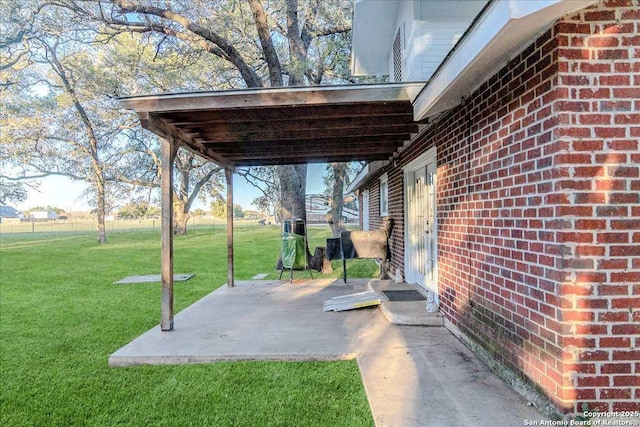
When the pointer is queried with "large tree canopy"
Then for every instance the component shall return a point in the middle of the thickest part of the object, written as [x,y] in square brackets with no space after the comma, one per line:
[65,61]
[257,43]
[60,77]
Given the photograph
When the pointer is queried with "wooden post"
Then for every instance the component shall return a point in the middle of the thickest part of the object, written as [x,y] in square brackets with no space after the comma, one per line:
[228,173]
[168,155]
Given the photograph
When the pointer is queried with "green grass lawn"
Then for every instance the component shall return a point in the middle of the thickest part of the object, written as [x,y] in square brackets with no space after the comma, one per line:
[61,317]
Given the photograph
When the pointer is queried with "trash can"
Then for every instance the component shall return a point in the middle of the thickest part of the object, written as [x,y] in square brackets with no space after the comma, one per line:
[293,253]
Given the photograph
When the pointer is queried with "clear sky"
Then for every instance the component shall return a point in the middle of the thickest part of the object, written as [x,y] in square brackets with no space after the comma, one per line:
[66,194]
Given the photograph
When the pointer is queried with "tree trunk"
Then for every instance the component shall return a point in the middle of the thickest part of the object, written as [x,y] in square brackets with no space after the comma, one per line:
[181,198]
[180,217]
[293,181]
[101,207]
[339,171]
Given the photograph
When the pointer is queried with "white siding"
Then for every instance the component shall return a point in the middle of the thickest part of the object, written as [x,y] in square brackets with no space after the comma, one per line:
[429,30]
[429,43]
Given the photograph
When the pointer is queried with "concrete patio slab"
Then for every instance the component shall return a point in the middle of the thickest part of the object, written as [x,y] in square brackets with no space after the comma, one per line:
[413,376]
[411,313]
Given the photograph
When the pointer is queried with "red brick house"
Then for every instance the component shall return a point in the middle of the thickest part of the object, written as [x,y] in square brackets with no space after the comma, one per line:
[506,149]
[518,201]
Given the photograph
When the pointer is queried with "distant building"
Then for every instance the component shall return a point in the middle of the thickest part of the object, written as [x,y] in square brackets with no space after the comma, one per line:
[45,215]
[9,213]
[253,215]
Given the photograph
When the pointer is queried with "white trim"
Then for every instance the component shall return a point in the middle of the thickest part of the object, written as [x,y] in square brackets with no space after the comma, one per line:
[505,27]
[384,195]
[421,160]
[364,174]
[366,211]
[430,155]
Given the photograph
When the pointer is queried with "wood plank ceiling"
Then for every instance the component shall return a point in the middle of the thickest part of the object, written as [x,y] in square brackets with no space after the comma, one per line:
[285,125]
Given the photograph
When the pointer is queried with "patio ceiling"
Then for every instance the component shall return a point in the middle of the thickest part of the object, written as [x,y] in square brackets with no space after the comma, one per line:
[279,126]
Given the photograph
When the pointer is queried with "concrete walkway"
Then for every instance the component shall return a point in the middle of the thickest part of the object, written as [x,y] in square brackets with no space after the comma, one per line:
[413,375]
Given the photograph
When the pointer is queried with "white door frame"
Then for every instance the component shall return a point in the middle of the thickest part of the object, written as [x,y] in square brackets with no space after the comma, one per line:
[430,282]
[365,209]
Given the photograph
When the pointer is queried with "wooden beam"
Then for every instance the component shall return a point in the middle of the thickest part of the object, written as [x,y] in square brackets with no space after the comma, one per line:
[296,124]
[403,110]
[310,152]
[228,174]
[156,125]
[264,161]
[168,155]
[373,142]
[271,135]
[231,151]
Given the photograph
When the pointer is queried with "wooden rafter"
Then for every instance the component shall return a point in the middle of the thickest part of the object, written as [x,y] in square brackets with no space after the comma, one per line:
[284,125]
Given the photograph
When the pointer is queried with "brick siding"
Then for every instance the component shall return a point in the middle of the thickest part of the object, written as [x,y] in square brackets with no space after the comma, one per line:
[539,211]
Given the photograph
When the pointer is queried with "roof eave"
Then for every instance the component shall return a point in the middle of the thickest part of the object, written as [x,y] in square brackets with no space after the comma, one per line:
[365,174]
[272,97]
[505,27]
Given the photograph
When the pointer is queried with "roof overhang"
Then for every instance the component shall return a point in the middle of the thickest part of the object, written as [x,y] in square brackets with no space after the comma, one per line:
[365,175]
[505,27]
[276,126]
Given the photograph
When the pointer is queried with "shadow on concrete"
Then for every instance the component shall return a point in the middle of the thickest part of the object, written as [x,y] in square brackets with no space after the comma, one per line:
[413,375]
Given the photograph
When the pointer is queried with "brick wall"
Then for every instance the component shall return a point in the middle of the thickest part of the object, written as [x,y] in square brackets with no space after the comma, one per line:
[539,211]
[396,211]
[598,225]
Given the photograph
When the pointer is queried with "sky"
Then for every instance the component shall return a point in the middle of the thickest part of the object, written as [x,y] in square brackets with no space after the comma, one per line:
[61,192]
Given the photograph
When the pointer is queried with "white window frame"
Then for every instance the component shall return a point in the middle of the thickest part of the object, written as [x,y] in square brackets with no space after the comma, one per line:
[384,195]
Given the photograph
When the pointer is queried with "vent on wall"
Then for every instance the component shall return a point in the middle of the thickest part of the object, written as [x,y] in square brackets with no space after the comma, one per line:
[397,58]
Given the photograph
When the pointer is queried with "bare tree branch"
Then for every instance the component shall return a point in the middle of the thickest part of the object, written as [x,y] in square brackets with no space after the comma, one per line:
[264,33]
[226,50]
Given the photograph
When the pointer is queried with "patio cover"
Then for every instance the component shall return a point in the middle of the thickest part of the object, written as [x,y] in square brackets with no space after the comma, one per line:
[274,126]
[279,126]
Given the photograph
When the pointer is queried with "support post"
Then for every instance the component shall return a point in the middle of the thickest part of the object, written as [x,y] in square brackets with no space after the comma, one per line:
[168,155]
[228,173]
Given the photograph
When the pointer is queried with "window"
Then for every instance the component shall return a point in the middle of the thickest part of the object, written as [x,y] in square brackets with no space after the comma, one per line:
[384,195]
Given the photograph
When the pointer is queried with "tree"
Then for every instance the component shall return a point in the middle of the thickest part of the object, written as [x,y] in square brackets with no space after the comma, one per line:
[138,210]
[71,58]
[194,177]
[339,171]
[57,66]
[338,178]
[10,189]
[238,212]
[219,208]
[276,46]
[60,76]
[267,180]
[193,174]
[12,192]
